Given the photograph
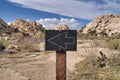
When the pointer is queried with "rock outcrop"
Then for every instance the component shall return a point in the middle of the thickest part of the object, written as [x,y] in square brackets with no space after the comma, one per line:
[62,27]
[5,28]
[28,27]
[106,24]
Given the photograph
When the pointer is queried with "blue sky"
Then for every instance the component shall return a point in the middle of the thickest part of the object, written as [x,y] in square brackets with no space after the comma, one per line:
[50,13]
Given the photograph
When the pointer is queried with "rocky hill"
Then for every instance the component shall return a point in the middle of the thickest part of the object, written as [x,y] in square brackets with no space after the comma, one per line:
[62,27]
[5,28]
[107,24]
[30,28]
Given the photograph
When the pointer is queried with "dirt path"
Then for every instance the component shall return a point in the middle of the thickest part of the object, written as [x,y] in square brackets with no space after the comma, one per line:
[37,66]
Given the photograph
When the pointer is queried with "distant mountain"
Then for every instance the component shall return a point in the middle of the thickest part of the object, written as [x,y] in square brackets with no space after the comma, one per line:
[30,28]
[108,25]
[5,28]
[62,27]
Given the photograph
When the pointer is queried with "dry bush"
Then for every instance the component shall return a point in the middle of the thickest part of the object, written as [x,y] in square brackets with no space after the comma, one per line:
[89,68]
[29,44]
[85,71]
[5,43]
[113,44]
[17,35]
[27,47]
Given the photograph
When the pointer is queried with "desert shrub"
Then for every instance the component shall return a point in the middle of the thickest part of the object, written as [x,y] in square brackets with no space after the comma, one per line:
[29,44]
[115,59]
[103,33]
[84,70]
[113,44]
[5,43]
[80,42]
[41,36]
[26,47]
[17,35]
[117,36]
[92,32]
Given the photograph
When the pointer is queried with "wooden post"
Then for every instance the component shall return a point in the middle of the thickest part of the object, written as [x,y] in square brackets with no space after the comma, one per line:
[60,65]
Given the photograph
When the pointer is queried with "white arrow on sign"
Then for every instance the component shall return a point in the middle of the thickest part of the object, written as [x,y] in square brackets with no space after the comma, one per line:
[62,36]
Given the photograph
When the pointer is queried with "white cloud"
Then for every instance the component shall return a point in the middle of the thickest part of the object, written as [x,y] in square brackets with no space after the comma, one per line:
[9,23]
[112,6]
[73,8]
[50,23]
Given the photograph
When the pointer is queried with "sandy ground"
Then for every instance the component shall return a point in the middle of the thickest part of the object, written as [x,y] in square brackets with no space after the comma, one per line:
[41,65]
[35,66]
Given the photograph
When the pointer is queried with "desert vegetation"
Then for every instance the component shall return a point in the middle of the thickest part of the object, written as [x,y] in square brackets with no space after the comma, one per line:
[85,70]
[99,66]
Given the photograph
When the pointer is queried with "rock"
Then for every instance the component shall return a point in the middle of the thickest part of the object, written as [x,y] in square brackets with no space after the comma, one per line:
[8,52]
[13,47]
[7,38]
[5,28]
[28,28]
[5,34]
[62,27]
[11,39]
[107,25]
[2,47]
[11,51]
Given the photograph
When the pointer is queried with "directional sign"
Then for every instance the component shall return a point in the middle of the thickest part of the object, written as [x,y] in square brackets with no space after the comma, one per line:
[61,40]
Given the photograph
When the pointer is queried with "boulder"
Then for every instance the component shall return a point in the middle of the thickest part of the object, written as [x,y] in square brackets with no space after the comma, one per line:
[103,25]
[62,27]
[2,47]
[28,28]
[5,28]
[13,47]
